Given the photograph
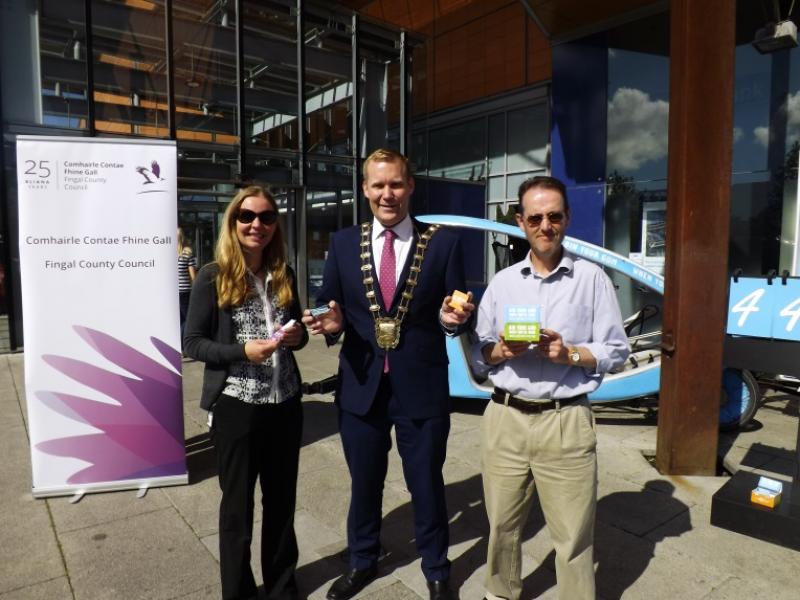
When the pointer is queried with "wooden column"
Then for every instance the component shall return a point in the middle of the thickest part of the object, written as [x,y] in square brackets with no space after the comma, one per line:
[698,213]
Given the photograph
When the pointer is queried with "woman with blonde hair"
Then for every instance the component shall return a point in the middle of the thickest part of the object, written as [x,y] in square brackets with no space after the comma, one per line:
[238,324]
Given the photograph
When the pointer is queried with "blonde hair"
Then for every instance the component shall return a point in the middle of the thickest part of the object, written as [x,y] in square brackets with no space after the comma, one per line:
[232,282]
[386,155]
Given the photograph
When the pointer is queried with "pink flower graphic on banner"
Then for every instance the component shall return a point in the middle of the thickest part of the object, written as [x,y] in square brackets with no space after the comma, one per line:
[141,435]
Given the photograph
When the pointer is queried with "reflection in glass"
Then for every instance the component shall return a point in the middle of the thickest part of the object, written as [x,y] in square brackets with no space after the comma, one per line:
[129,68]
[497,143]
[458,151]
[270,81]
[328,88]
[327,212]
[527,138]
[62,56]
[204,55]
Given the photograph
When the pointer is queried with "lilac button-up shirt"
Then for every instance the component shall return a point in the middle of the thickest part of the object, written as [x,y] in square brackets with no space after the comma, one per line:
[578,301]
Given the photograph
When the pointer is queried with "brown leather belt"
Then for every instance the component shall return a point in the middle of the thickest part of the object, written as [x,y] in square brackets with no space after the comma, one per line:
[530,406]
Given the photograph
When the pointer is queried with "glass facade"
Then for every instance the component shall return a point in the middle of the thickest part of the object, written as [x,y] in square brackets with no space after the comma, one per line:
[247,98]
[766,139]
[230,90]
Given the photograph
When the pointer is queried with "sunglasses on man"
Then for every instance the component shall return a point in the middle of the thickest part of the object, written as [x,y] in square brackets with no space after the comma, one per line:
[553,217]
[267,217]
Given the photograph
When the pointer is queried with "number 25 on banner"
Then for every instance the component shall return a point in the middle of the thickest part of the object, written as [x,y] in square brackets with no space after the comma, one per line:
[758,309]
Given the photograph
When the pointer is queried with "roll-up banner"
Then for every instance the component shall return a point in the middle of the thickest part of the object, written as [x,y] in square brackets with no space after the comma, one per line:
[98,261]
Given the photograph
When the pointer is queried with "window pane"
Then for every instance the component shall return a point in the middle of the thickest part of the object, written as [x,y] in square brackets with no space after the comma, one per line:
[497,188]
[205,73]
[497,144]
[514,181]
[270,65]
[458,151]
[62,48]
[327,83]
[527,138]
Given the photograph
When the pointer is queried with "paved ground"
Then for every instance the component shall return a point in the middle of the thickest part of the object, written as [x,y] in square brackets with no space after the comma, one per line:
[654,539]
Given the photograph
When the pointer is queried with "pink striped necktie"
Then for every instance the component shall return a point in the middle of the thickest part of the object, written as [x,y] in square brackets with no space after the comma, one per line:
[388,277]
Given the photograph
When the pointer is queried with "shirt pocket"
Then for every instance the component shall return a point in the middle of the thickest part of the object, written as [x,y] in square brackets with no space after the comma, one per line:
[573,321]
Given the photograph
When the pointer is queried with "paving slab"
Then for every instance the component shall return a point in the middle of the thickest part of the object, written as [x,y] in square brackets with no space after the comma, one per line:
[631,567]
[28,541]
[97,509]
[726,551]
[147,556]
[738,588]
[197,504]
[52,589]
[637,510]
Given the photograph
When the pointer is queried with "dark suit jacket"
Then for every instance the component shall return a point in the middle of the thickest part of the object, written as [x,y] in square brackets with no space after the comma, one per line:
[209,336]
[418,366]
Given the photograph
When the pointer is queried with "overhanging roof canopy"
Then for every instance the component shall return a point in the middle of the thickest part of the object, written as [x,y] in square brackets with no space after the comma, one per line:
[561,19]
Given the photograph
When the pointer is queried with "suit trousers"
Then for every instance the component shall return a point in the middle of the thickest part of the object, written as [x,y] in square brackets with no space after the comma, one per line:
[553,453]
[257,441]
[422,445]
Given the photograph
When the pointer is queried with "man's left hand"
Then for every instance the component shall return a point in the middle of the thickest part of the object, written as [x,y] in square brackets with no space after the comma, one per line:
[453,317]
[551,345]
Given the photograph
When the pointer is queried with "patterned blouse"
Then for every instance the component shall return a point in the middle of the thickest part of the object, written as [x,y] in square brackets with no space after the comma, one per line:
[256,319]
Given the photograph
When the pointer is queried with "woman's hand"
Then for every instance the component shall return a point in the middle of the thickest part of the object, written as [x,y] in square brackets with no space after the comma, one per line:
[292,336]
[258,351]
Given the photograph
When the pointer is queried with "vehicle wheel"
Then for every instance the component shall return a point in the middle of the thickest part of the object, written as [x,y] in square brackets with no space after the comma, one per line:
[740,398]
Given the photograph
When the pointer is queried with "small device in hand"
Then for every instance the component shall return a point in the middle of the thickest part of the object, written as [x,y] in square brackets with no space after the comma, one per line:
[319,311]
[278,335]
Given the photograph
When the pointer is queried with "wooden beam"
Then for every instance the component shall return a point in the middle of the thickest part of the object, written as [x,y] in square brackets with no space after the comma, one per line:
[698,212]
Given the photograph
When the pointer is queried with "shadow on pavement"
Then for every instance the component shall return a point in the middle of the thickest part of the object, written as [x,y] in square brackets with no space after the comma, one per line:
[641,520]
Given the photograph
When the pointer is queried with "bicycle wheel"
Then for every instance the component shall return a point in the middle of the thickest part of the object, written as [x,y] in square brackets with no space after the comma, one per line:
[740,398]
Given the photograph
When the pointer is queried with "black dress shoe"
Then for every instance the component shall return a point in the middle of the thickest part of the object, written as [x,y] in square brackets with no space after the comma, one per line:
[352,582]
[440,590]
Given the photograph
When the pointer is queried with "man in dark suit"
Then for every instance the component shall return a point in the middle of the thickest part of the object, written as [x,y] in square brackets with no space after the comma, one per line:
[388,284]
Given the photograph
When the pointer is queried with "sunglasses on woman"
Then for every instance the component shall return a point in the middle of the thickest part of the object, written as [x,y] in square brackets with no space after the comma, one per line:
[267,217]
[535,220]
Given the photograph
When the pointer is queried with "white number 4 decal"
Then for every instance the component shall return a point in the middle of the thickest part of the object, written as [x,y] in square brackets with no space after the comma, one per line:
[791,310]
[747,305]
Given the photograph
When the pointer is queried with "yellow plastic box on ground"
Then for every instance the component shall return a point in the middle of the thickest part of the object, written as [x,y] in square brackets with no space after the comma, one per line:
[767,493]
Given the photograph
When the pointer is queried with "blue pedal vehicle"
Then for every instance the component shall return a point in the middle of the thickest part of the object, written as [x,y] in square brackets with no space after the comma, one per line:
[640,376]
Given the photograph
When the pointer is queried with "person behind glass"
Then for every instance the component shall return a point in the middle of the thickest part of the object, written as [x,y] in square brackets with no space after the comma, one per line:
[538,431]
[187,271]
[251,386]
[392,369]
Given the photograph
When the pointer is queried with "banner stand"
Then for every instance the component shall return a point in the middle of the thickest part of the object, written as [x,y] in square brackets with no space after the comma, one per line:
[99,282]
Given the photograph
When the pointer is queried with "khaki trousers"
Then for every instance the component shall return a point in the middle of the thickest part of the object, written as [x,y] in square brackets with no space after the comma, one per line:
[554,452]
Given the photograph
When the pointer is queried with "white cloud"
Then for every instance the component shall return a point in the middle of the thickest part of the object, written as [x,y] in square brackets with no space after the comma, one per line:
[762,135]
[737,134]
[791,109]
[637,129]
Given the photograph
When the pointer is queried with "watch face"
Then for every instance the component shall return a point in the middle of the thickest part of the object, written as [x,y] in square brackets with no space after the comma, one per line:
[575,356]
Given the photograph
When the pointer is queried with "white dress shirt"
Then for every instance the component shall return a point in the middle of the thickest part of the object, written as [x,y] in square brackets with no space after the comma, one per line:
[404,231]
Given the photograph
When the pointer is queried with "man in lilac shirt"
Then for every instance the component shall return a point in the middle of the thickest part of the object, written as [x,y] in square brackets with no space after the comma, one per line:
[538,432]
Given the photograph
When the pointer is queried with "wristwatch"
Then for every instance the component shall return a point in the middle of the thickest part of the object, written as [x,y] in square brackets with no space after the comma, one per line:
[574,355]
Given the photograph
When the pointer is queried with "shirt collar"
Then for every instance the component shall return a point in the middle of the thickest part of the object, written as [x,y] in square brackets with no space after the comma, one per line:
[404,229]
[566,264]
